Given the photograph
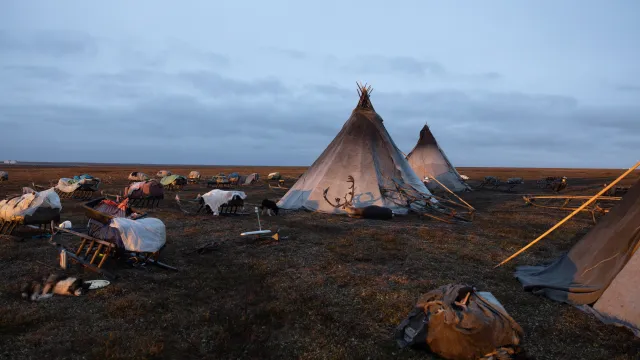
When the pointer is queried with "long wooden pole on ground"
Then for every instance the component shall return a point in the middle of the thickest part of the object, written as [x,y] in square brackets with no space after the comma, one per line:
[431,177]
[570,215]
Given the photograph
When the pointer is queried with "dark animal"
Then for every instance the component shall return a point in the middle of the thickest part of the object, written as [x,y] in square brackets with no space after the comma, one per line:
[269,207]
[369,212]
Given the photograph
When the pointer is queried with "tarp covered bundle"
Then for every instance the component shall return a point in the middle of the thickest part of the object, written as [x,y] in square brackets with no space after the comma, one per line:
[4,176]
[194,175]
[428,160]
[251,178]
[173,179]
[601,269]
[141,235]
[69,185]
[215,198]
[456,322]
[163,173]
[138,176]
[17,208]
[362,149]
[144,189]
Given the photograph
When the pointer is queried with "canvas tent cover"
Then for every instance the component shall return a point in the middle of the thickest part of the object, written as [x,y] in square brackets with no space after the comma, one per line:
[597,265]
[427,159]
[26,205]
[363,149]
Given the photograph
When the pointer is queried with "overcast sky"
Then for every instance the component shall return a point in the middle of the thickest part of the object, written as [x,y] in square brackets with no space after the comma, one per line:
[500,83]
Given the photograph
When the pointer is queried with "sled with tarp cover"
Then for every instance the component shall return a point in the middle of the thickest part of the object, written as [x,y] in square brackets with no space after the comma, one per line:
[80,187]
[32,208]
[115,230]
[173,182]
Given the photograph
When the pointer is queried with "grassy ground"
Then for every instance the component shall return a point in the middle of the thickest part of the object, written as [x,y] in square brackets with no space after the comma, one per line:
[336,288]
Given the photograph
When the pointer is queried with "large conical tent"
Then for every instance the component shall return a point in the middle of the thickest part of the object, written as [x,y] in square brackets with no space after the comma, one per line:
[428,159]
[601,269]
[364,150]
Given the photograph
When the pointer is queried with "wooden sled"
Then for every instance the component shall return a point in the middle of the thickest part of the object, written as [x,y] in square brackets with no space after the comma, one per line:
[41,220]
[83,192]
[146,202]
[101,249]
[229,208]
[571,203]
[92,253]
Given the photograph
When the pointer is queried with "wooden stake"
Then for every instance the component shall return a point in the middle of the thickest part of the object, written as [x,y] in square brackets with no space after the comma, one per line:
[570,215]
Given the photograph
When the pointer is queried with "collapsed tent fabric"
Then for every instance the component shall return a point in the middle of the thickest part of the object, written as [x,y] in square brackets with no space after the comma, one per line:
[428,160]
[598,267]
[217,197]
[363,149]
[138,176]
[19,207]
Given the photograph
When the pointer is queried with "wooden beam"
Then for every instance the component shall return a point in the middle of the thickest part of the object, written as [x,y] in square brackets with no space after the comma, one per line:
[587,203]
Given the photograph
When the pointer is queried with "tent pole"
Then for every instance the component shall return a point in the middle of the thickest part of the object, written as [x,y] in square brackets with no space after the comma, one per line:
[570,215]
[431,177]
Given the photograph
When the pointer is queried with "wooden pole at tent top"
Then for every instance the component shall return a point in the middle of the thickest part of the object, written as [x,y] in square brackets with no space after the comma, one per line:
[576,211]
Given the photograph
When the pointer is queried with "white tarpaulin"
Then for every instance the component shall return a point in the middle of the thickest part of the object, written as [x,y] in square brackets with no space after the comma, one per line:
[27,204]
[215,198]
[135,186]
[142,235]
[69,185]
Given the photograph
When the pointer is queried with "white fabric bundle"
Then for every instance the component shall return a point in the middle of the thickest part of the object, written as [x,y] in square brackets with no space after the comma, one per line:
[142,235]
[215,198]
[67,185]
[27,204]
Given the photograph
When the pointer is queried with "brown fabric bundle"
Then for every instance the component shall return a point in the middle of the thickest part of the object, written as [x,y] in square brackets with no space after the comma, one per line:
[150,189]
[456,322]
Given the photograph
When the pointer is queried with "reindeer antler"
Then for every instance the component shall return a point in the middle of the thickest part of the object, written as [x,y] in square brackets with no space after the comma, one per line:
[347,202]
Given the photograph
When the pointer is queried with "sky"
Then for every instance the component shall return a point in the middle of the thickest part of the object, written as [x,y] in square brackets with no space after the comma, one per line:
[500,82]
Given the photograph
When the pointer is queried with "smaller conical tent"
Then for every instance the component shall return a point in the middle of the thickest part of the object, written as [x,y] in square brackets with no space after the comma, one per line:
[601,269]
[362,149]
[428,159]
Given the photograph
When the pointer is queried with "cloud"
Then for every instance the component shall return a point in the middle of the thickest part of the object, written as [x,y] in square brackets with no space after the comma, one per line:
[411,67]
[159,107]
[289,53]
[53,44]
[375,64]
[628,88]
